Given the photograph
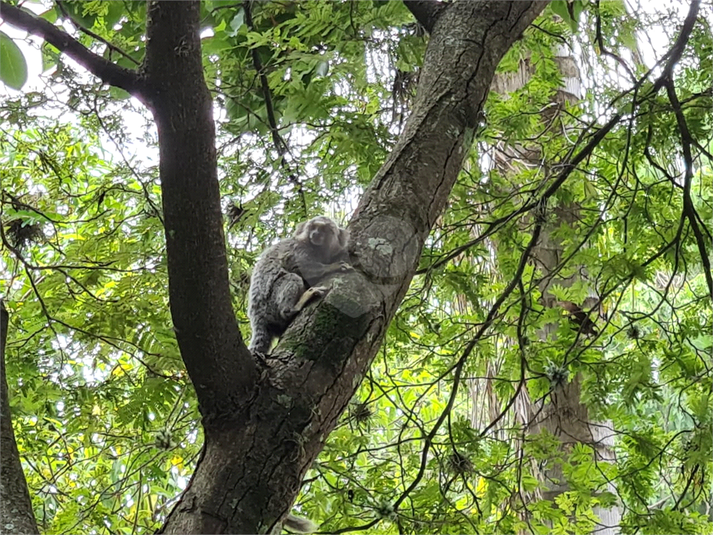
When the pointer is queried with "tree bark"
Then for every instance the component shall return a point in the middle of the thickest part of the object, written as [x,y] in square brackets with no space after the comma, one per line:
[262,431]
[16,514]
[253,461]
[220,366]
[426,12]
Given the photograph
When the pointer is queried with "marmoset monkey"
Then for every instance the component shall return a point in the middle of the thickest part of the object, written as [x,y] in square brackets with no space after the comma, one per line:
[285,276]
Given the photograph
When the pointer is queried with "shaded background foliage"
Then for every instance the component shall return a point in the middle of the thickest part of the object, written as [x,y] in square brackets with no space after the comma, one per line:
[309,98]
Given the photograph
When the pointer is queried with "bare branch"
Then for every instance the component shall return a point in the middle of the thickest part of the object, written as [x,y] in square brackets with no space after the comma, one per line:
[106,71]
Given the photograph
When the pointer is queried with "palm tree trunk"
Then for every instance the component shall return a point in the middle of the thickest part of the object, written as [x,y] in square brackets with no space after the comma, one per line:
[561,414]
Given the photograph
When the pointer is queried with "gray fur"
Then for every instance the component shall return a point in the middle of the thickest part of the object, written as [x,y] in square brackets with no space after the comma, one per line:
[285,275]
[299,524]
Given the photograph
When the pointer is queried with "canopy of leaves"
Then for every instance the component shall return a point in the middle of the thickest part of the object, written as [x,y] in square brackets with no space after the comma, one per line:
[309,98]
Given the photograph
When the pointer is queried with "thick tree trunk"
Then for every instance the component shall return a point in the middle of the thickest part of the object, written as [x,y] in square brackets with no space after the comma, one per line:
[262,431]
[16,514]
[254,460]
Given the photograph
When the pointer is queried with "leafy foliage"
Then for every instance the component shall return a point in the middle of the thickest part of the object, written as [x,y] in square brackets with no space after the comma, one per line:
[310,97]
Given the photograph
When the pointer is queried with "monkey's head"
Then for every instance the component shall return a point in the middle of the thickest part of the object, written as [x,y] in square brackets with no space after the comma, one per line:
[322,233]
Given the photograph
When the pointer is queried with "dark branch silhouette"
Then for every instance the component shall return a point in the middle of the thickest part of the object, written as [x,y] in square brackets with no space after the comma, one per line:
[105,70]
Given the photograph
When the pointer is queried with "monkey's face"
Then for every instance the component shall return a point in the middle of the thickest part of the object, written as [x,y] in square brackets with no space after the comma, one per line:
[323,235]
[322,232]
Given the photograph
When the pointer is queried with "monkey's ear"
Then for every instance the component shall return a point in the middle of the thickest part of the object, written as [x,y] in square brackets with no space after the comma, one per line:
[300,231]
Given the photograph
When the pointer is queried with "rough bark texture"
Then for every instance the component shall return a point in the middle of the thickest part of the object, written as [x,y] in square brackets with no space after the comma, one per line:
[426,12]
[253,462]
[262,431]
[16,514]
[217,361]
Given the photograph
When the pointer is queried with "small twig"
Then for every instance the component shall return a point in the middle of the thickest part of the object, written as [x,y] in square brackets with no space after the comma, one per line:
[277,140]
[567,169]
[603,49]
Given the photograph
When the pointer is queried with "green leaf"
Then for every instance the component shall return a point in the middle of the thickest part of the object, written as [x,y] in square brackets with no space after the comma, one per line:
[49,56]
[50,15]
[82,12]
[568,12]
[13,67]
[118,93]
[237,22]
[577,8]
[322,68]
[114,13]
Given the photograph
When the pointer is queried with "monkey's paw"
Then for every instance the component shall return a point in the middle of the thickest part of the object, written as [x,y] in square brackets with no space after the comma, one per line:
[345,266]
[289,312]
[317,291]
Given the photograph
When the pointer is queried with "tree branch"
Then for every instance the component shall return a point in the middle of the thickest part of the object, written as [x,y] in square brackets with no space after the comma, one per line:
[280,145]
[257,460]
[689,210]
[105,70]
[277,139]
[221,368]
[426,12]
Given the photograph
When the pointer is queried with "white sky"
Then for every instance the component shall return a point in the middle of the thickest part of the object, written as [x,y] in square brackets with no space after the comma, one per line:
[652,47]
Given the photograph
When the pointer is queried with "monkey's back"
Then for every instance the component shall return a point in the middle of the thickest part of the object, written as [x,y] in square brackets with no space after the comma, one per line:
[268,269]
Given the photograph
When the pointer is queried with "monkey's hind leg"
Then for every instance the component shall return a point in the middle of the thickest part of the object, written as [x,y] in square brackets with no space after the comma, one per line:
[288,292]
[261,339]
